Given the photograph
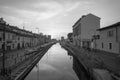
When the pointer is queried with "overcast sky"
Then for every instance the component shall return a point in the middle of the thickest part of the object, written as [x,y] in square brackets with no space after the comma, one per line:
[56,17]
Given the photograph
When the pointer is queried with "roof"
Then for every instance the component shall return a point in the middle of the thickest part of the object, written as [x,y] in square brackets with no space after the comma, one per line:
[14,29]
[110,26]
[85,16]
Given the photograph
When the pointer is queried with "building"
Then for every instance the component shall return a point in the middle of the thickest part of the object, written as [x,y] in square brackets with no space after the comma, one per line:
[109,38]
[84,29]
[62,38]
[16,38]
[48,38]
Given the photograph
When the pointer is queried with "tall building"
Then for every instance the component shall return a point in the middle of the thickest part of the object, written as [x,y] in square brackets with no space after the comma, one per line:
[84,29]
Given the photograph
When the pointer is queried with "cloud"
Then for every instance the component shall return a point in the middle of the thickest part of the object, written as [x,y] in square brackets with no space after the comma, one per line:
[56,16]
[44,9]
[30,11]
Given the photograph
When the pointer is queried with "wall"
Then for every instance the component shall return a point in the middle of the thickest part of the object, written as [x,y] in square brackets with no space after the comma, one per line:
[106,40]
[89,25]
[118,33]
[85,28]
[118,36]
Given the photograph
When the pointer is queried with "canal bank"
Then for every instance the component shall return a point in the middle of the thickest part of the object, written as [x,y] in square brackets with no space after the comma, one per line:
[86,73]
[25,67]
[92,64]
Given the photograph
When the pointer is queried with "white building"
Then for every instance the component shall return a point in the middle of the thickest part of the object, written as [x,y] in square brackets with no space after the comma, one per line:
[84,29]
[109,38]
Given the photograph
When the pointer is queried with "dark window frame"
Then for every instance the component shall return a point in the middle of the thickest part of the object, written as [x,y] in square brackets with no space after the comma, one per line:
[110,33]
[110,46]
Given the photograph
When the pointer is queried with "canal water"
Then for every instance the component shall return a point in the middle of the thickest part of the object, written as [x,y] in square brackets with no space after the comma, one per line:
[56,64]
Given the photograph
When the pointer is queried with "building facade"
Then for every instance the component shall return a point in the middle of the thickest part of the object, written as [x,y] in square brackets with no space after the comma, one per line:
[109,38]
[16,38]
[84,29]
[62,38]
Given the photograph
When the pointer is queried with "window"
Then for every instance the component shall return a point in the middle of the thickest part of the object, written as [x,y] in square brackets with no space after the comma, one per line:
[96,37]
[0,39]
[102,45]
[110,45]
[110,33]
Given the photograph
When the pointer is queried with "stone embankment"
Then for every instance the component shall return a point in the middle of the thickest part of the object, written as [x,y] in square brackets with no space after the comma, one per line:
[99,66]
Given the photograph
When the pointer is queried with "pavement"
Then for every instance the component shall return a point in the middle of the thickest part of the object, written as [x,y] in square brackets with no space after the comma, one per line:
[97,59]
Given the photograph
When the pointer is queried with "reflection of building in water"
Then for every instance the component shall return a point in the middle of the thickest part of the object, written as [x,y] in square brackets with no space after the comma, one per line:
[80,70]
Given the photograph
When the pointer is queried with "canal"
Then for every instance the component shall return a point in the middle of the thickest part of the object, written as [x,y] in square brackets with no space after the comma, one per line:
[56,64]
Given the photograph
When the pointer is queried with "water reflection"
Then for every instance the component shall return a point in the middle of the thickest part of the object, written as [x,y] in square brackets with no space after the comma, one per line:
[80,70]
[57,64]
